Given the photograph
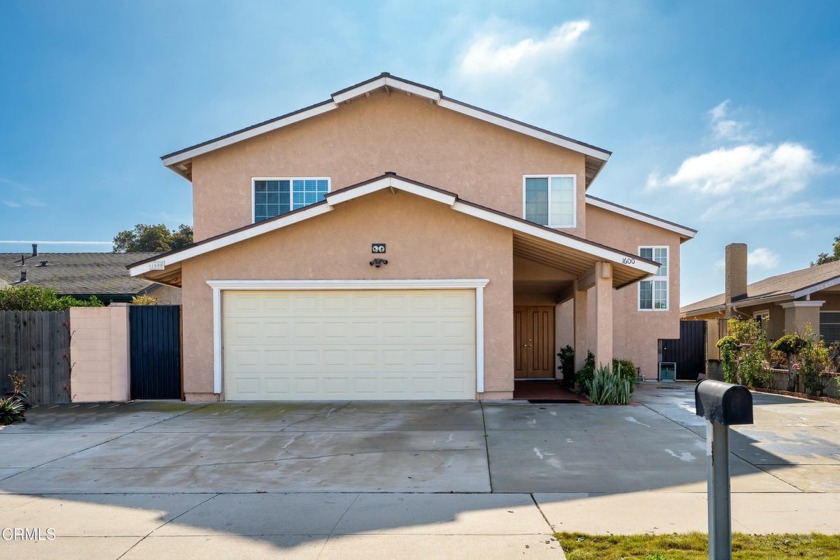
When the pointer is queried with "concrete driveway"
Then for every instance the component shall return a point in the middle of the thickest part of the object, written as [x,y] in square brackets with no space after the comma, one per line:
[361,479]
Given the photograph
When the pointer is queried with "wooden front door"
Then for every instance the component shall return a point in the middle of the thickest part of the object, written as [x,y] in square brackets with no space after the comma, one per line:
[533,341]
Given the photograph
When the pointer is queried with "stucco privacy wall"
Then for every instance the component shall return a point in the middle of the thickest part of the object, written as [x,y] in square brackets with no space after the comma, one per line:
[425,240]
[365,138]
[99,353]
[635,332]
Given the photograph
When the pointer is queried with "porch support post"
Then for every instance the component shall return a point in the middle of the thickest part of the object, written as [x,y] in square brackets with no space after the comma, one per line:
[581,344]
[603,314]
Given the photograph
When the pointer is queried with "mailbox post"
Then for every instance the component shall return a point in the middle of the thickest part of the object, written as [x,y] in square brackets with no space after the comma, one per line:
[722,405]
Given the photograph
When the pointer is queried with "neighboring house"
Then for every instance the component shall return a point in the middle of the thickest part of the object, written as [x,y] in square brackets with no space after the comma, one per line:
[784,304]
[83,275]
[393,243]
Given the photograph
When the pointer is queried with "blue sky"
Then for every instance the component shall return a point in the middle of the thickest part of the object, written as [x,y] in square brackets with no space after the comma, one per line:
[722,116]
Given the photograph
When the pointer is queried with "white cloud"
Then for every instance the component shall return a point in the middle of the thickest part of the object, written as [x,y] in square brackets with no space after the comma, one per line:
[757,259]
[775,171]
[716,209]
[489,54]
[727,128]
[762,259]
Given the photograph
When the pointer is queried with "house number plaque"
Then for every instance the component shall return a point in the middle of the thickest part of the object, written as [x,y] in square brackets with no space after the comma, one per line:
[377,248]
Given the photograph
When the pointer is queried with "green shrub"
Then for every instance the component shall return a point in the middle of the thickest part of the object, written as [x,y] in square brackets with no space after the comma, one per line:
[814,360]
[626,368]
[36,298]
[586,373]
[567,366]
[729,347]
[11,411]
[609,387]
[744,354]
[790,344]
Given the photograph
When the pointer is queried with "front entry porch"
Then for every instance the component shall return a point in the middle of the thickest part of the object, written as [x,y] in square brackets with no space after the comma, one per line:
[548,391]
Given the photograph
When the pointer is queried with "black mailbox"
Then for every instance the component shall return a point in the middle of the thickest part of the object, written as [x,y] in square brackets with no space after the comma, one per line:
[723,403]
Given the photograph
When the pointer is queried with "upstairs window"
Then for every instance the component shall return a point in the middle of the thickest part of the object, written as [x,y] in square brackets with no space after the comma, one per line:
[653,292]
[273,197]
[550,200]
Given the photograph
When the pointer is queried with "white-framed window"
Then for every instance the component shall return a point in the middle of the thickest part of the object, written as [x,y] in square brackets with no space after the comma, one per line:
[550,200]
[273,196]
[653,292]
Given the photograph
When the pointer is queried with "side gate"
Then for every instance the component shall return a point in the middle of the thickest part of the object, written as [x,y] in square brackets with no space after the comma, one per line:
[155,342]
[688,351]
[36,344]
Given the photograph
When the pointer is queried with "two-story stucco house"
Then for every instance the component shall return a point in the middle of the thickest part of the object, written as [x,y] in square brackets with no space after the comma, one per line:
[393,243]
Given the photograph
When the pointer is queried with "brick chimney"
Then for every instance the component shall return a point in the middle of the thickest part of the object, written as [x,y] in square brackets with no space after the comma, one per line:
[736,274]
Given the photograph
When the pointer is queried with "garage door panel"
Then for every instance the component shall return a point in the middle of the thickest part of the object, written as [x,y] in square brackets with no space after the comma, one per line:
[349,345]
[276,358]
[277,386]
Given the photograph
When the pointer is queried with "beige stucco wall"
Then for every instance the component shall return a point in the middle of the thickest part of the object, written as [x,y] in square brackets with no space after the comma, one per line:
[424,240]
[635,332]
[99,352]
[414,138]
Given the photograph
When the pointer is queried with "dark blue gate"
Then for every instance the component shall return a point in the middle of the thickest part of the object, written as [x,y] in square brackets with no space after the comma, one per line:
[688,351]
[155,336]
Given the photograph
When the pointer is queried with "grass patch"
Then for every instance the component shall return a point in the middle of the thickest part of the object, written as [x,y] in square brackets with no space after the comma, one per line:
[694,546]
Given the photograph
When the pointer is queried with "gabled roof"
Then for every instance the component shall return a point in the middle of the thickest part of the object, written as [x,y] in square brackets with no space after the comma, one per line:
[77,274]
[181,161]
[784,287]
[532,241]
[684,232]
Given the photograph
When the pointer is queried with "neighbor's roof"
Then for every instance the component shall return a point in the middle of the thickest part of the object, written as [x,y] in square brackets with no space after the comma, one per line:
[181,161]
[77,274]
[790,286]
[532,241]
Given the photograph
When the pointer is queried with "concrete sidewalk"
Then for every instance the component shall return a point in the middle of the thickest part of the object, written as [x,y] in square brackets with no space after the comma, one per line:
[408,480]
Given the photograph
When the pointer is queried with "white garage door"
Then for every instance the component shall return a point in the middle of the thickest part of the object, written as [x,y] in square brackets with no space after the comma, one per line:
[338,345]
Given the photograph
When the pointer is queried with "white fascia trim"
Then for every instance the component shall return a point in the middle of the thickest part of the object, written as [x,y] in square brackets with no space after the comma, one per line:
[809,303]
[250,133]
[685,232]
[263,227]
[217,340]
[522,129]
[391,82]
[408,284]
[390,182]
[477,284]
[479,338]
[816,288]
[584,247]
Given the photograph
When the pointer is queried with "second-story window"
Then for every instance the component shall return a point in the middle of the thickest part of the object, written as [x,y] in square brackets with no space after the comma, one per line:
[550,200]
[653,293]
[273,197]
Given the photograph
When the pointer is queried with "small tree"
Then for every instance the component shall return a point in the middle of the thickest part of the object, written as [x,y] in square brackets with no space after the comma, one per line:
[813,363]
[823,258]
[791,345]
[744,354]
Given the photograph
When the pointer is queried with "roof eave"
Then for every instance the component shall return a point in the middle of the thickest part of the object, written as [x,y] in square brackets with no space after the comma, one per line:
[684,232]
[180,161]
[632,267]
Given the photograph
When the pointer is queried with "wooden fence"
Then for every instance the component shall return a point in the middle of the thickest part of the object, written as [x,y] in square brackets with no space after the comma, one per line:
[37,345]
